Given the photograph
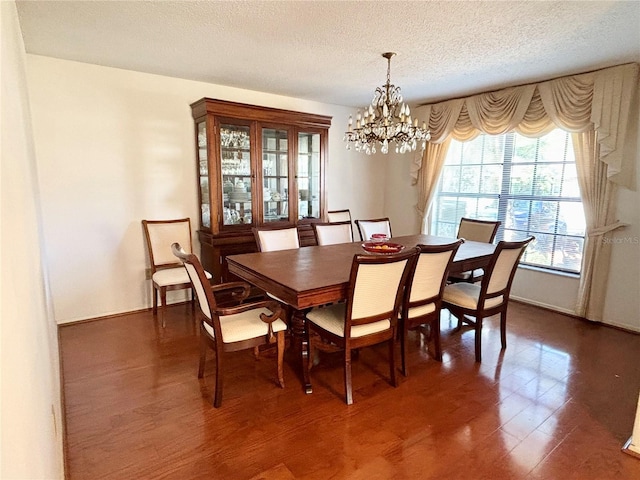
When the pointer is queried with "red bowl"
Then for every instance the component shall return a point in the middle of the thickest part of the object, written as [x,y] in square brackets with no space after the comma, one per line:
[379,237]
[382,248]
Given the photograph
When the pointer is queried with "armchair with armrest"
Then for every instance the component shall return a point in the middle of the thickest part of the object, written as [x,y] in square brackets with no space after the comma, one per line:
[231,328]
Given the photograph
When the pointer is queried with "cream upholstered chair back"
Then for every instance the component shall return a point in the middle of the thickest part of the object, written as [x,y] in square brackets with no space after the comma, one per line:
[334,216]
[367,228]
[271,240]
[478,230]
[430,275]
[199,287]
[332,233]
[376,284]
[161,234]
[500,274]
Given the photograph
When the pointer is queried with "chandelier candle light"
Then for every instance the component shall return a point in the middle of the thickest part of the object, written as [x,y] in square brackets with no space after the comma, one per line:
[387,119]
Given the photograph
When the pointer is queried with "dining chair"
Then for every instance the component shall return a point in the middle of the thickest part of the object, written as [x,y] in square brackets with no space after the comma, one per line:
[334,216]
[166,272]
[332,233]
[491,297]
[339,216]
[422,301]
[270,239]
[366,228]
[231,328]
[369,315]
[478,231]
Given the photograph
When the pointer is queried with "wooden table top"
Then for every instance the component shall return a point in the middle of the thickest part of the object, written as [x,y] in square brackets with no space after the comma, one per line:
[312,276]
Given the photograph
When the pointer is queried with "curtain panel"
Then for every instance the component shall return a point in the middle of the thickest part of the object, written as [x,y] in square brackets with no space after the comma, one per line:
[597,107]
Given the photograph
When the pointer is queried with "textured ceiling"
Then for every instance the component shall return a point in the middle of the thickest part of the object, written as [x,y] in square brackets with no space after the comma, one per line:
[331,51]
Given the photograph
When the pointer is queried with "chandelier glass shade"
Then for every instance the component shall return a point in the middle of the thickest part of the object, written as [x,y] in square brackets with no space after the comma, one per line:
[386,120]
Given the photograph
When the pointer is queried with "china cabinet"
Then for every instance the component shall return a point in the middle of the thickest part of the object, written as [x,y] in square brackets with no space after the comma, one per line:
[256,166]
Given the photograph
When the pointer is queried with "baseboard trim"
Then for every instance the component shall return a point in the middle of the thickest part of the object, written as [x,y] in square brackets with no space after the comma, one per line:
[568,313]
[545,306]
[116,315]
[629,451]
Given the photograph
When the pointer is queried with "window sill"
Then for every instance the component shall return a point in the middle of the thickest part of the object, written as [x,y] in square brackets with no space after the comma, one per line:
[550,272]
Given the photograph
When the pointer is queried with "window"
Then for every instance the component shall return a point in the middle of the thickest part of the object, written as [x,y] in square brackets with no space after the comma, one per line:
[529,184]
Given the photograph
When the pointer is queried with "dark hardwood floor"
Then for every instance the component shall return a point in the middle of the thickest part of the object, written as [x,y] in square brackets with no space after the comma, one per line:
[558,403]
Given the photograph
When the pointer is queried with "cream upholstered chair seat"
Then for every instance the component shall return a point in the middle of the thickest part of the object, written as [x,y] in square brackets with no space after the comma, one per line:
[245,325]
[172,276]
[422,310]
[331,318]
[333,233]
[467,294]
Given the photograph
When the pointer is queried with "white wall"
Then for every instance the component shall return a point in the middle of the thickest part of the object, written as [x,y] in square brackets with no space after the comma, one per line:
[622,304]
[401,198]
[31,445]
[116,146]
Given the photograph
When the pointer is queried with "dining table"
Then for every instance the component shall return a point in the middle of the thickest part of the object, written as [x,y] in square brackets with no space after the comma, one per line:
[314,276]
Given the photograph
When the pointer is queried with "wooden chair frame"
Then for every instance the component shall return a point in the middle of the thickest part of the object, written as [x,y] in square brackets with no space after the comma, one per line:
[239,291]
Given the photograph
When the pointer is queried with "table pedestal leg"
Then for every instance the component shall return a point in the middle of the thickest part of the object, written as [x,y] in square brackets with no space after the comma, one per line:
[301,340]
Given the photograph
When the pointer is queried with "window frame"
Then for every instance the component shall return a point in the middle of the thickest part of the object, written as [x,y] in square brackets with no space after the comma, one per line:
[569,243]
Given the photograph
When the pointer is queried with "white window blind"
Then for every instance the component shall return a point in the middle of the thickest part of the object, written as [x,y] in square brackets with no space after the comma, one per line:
[529,184]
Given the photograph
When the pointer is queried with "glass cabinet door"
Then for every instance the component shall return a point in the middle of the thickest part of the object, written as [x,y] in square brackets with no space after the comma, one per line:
[308,175]
[275,175]
[203,174]
[235,165]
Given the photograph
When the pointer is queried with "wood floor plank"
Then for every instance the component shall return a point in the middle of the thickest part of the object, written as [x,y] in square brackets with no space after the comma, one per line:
[559,402]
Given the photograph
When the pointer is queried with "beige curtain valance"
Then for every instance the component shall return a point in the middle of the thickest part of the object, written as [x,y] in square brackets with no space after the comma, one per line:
[600,100]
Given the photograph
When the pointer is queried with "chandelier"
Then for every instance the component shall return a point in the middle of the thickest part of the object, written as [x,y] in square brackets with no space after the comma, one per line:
[387,119]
